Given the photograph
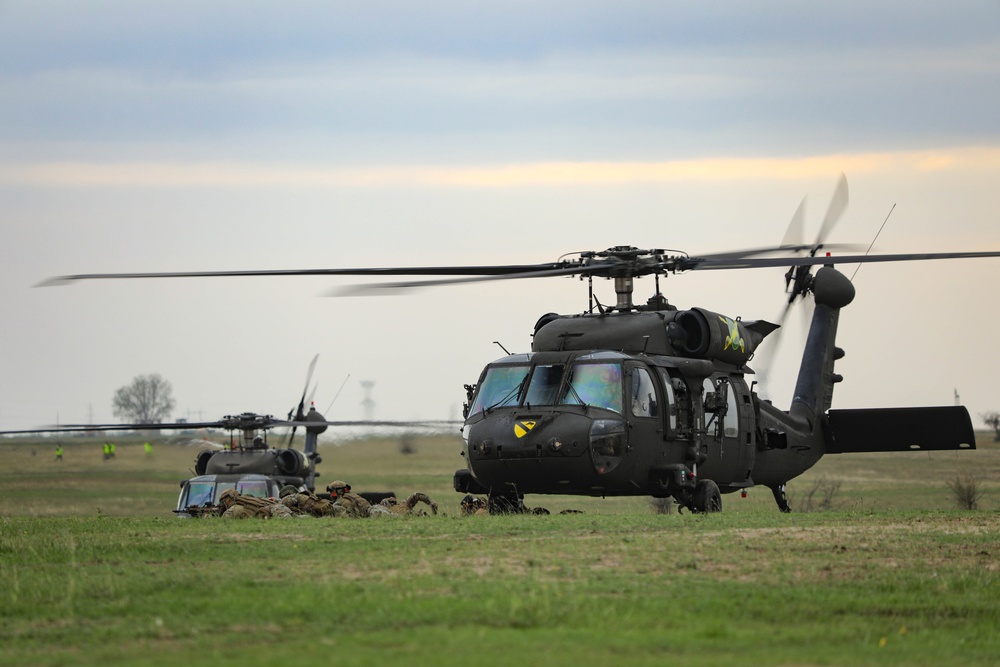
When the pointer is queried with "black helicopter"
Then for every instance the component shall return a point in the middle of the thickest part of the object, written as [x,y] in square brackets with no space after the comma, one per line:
[647,399]
[249,464]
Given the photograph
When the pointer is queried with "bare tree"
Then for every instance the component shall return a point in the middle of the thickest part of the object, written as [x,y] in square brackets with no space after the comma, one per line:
[966,491]
[992,419]
[147,400]
[827,489]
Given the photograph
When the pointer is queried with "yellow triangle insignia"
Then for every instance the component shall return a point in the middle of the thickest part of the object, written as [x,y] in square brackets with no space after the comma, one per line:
[521,428]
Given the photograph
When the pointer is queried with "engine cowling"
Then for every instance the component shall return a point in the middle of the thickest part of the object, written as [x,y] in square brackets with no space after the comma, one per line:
[704,334]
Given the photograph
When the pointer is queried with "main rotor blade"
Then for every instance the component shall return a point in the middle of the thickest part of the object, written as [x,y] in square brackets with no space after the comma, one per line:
[498,270]
[389,288]
[738,254]
[702,264]
[83,428]
[425,424]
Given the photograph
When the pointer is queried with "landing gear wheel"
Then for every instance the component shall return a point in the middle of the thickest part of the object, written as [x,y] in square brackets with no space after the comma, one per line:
[707,497]
[780,498]
[508,502]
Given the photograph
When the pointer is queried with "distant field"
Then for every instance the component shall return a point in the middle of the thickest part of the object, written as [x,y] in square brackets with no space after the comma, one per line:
[94,569]
[136,485]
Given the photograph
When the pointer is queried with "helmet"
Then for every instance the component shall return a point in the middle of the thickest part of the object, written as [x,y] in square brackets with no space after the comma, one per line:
[469,503]
[287,490]
[337,487]
[228,497]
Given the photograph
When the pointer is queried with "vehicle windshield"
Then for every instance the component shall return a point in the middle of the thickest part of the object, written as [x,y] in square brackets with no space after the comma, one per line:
[501,386]
[596,385]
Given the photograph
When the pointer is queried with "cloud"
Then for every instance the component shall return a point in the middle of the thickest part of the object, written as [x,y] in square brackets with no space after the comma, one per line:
[235,174]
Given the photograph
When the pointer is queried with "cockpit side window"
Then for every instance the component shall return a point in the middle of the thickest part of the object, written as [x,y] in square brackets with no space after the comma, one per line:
[595,385]
[544,386]
[500,387]
[644,402]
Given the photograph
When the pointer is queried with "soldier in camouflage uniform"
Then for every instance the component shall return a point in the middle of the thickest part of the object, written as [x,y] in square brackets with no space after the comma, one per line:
[353,504]
[246,507]
[304,503]
[473,506]
[408,506]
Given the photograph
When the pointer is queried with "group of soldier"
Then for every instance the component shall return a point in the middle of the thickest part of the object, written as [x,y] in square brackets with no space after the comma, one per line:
[295,502]
[341,502]
[477,506]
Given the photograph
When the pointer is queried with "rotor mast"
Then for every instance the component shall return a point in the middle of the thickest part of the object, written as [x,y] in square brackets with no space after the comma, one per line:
[623,289]
[623,264]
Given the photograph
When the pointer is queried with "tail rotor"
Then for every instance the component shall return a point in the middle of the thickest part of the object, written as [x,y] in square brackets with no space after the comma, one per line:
[799,278]
[299,414]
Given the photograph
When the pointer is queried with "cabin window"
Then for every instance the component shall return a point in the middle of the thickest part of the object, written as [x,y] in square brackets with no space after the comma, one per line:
[643,394]
[544,386]
[501,387]
[595,385]
[731,418]
[731,424]
[671,405]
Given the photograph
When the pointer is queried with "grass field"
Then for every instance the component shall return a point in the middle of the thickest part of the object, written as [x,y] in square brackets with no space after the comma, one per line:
[94,569]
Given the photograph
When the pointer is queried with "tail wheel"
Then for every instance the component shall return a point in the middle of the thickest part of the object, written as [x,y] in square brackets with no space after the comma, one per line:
[707,497]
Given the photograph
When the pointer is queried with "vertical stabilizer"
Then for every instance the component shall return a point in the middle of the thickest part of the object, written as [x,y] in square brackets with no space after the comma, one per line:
[814,386]
[312,444]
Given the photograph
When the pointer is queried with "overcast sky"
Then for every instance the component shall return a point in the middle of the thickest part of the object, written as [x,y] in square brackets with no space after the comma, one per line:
[248,135]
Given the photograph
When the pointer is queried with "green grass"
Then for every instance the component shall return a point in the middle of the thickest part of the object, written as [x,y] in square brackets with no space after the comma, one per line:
[95,570]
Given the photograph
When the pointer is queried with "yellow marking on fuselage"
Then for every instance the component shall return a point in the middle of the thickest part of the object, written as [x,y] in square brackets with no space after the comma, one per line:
[522,429]
[734,338]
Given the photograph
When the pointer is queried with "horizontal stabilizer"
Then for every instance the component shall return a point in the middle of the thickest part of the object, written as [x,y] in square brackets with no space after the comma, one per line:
[900,430]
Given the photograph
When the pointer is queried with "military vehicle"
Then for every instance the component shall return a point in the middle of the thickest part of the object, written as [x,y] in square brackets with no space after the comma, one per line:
[649,399]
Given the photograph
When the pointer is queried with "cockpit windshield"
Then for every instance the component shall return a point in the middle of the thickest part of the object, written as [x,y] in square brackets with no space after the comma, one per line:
[544,386]
[501,387]
[256,488]
[200,493]
[596,385]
